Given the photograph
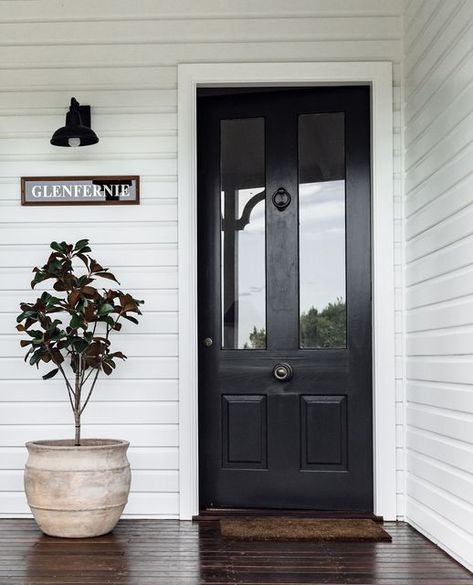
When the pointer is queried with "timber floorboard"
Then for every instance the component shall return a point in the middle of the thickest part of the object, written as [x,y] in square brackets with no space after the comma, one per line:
[168,552]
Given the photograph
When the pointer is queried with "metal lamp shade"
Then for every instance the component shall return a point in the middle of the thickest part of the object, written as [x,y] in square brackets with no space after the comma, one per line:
[62,135]
[76,128]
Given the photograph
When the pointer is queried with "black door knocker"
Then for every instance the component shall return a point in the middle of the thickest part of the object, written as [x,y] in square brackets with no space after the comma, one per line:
[281,199]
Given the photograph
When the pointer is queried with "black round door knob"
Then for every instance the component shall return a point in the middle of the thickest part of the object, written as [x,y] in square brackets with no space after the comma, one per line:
[281,199]
[283,372]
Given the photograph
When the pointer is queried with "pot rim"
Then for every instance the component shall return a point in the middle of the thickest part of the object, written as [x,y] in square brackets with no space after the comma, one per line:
[68,444]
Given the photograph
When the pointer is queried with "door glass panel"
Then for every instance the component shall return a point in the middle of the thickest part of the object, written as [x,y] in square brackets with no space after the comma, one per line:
[322,231]
[243,238]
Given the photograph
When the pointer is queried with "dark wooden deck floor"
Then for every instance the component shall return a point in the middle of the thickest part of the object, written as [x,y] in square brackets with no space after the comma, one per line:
[146,552]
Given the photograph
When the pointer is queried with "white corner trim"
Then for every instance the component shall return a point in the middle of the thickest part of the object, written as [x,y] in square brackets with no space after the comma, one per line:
[379,76]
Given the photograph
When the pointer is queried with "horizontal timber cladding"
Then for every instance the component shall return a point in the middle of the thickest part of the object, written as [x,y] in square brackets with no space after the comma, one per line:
[439,272]
[121,58]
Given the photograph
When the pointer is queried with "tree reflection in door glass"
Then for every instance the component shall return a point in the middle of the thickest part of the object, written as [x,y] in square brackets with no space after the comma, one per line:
[243,233]
[245,271]
[322,254]
[324,329]
[322,265]
[256,339]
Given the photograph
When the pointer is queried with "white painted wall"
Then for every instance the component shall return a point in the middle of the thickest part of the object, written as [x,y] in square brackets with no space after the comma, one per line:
[438,50]
[120,57]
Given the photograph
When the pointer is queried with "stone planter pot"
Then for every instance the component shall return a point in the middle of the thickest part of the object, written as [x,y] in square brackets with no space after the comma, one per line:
[77,492]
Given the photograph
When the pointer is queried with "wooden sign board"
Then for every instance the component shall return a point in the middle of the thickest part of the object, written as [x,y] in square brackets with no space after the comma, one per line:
[98,190]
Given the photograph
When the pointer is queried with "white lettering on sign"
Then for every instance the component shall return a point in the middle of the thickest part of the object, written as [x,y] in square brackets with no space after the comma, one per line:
[80,190]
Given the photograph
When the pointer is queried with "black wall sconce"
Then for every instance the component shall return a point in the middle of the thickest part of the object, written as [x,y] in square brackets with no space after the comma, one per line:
[77,131]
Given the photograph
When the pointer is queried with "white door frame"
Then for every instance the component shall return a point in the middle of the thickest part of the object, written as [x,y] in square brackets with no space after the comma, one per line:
[379,76]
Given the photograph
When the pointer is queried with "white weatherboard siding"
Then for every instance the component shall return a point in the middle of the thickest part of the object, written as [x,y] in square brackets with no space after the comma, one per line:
[439,272]
[121,58]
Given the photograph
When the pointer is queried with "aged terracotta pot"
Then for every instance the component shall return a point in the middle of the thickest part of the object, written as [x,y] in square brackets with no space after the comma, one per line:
[77,492]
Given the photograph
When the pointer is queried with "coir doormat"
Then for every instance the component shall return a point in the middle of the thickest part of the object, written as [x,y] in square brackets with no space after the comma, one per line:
[287,528]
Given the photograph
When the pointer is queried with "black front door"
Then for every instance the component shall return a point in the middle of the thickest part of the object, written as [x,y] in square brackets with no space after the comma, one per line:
[285,396]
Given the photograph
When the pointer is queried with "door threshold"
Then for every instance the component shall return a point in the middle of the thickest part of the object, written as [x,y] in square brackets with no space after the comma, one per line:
[216,514]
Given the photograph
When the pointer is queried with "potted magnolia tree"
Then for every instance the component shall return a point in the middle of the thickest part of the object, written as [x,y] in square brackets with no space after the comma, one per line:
[76,487]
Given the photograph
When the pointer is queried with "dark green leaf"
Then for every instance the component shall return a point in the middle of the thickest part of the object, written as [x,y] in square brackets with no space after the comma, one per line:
[108,321]
[132,319]
[25,314]
[36,357]
[39,278]
[81,244]
[80,345]
[51,374]
[76,321]
[105,309]
[58,247]
[35,333]
[28,353]
[83,280]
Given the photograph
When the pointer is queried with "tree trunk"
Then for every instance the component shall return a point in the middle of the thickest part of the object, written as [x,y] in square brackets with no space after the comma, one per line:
[77,401]
[77,436]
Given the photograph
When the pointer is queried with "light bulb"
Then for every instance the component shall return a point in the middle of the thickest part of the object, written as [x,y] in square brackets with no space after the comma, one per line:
[74,142]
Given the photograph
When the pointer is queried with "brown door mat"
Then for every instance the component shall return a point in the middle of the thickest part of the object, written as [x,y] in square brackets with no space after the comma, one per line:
[289,528]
